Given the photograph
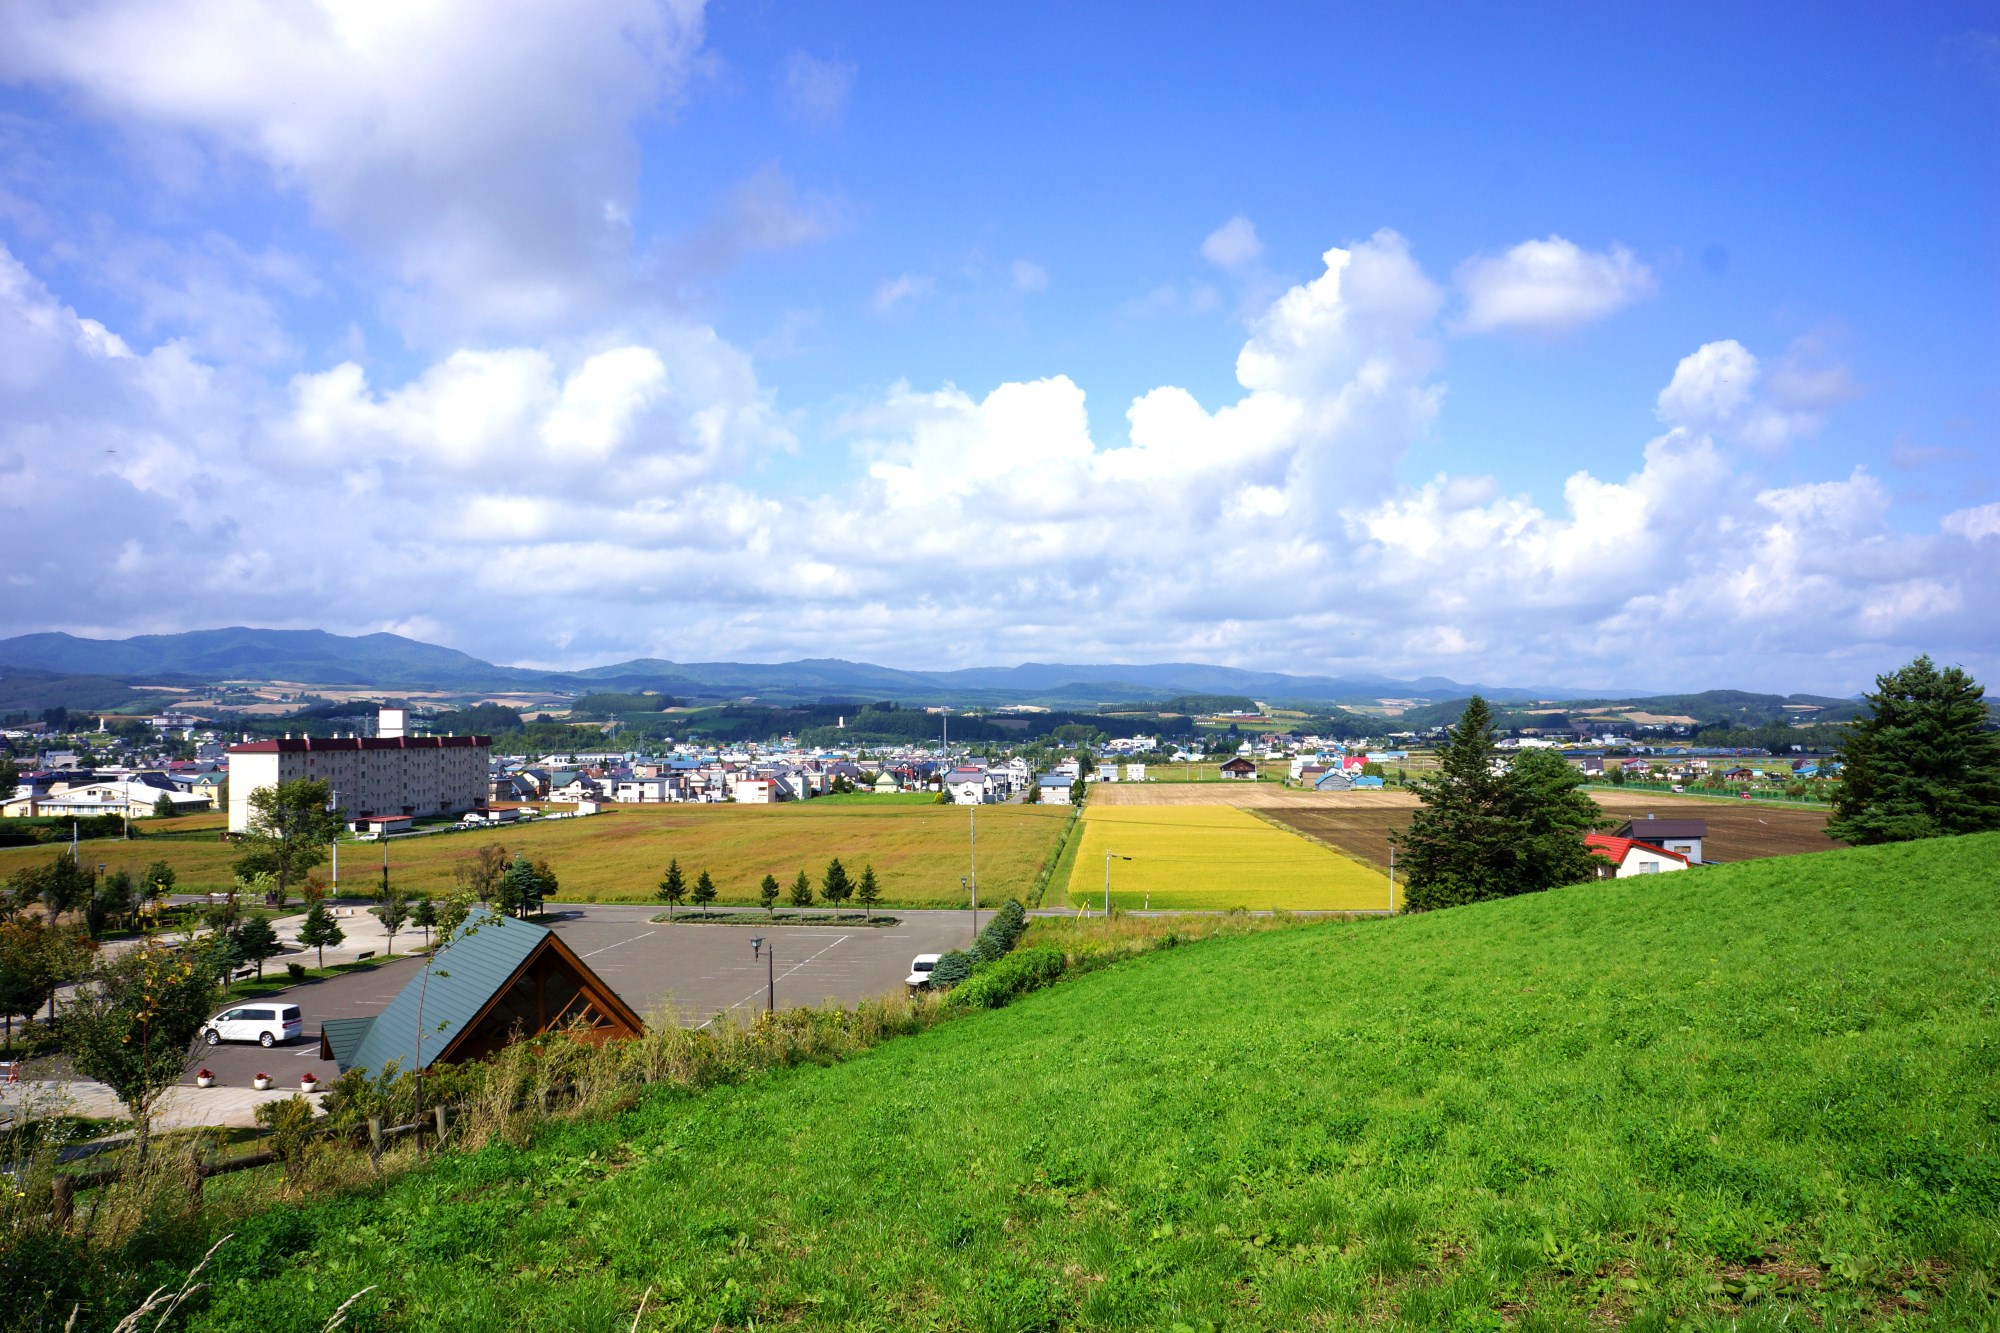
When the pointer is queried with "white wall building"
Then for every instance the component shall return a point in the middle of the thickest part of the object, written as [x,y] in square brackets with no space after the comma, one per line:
[369,775]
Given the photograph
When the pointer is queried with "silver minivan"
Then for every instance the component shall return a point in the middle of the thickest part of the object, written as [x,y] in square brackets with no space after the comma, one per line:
[265,1024]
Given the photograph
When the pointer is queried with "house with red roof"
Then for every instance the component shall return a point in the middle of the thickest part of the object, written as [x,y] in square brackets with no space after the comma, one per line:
[1622,858]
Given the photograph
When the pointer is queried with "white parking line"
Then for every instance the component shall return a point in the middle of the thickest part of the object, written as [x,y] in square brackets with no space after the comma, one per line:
[609,947]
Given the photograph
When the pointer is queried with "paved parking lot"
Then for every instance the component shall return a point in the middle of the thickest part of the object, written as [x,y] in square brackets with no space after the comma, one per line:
[700,970]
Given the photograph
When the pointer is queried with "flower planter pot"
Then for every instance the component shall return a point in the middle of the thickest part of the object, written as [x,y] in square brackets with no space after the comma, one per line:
[204,1082]
[308,1085]
[260,1084]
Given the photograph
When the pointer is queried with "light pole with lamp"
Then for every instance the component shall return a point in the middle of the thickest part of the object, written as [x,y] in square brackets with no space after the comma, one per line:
[1392,875]
[333,807]
[972,862]
[1109,857]
[770,957]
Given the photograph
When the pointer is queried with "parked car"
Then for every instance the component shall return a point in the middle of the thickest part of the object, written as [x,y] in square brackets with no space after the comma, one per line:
[267,1025]
[920,970]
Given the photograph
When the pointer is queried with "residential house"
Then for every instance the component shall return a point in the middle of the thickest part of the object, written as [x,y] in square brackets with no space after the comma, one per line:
[1683,837]
[1240,769]
[1623,858]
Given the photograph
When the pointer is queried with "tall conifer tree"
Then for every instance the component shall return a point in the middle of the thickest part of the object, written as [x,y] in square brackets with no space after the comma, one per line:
[1923,764]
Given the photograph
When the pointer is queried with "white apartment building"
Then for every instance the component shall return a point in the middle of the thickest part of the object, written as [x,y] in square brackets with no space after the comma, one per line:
[369,775]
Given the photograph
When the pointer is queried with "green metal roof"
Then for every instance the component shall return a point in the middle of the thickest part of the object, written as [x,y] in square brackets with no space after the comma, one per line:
[342,1037]
[466,973]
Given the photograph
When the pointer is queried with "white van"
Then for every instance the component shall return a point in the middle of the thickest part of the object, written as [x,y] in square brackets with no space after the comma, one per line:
[265,1024]
[920,970]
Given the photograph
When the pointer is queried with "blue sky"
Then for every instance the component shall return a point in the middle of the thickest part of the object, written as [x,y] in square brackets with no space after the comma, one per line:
[1661,350]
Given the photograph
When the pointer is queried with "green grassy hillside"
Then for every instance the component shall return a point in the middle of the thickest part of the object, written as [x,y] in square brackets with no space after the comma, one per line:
[1753,1096]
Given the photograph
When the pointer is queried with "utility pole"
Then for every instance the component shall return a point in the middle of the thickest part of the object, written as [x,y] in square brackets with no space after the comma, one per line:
[333,805]
[1392,877]
[972,845]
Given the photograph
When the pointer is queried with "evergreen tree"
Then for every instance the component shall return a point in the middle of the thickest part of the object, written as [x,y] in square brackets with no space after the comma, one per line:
[1559,812]
[673,887]
[425,915]
[704,890]
[255,940]
[835,887]
[868,892]
[1487,830]
[522,888]
[802,890]
[320,929]
[1924,763]
[767,894]
[163,808]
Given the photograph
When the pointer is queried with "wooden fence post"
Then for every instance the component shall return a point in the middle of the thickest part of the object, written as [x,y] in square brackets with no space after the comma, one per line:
[62,1202]
[440,1113]
[375,1141]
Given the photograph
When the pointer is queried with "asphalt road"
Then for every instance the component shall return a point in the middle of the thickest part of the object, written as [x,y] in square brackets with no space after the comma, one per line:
[700,970]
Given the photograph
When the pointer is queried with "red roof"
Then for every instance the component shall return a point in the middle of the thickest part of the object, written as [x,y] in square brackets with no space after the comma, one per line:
[1616,850]
[321,743]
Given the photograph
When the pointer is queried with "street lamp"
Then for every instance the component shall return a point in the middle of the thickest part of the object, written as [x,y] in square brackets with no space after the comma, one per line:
[1392,875]
[770,971]
[972,862]
[1109,857]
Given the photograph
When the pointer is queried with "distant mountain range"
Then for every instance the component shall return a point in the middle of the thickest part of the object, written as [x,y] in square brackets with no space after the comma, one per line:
[390,661]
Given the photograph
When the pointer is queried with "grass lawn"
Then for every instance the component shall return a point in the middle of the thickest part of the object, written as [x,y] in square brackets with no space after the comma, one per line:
[918,851]
[1212,856]
[1760,1098]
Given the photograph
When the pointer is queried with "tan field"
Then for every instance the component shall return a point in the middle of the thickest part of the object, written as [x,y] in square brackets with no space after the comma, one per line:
[919,852]
[1244,796]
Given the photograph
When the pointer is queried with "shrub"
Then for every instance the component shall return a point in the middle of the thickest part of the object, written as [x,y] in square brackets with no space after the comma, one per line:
[997,939]
[951,969]
[295,971]
[997,983]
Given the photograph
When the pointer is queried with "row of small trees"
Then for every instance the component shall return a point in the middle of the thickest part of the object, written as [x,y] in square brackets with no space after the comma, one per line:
[835,888]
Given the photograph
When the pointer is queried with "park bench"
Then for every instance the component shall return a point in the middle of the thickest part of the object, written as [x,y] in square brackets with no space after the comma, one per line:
[364,957]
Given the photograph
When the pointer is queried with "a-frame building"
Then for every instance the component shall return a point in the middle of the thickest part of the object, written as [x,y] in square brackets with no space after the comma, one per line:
[498,979]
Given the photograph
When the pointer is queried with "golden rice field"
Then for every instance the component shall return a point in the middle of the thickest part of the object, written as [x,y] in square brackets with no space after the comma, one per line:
[1211,857]
[919,852]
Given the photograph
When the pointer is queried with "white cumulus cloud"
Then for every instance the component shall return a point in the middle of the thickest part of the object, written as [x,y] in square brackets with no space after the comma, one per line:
[1549,286]
[480,147]
[1234,246]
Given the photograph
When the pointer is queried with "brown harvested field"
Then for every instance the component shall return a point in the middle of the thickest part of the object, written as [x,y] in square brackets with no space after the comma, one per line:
[1244,795]
[919,852]
[1737,830]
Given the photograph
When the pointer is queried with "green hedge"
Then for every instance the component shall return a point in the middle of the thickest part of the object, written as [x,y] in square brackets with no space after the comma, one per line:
[998,983]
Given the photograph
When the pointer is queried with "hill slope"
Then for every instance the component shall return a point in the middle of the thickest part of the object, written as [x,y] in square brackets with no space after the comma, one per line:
[1748,1086]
